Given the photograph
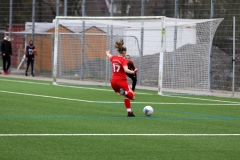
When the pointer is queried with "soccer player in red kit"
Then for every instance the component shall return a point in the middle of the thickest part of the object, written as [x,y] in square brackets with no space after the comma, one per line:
[119,79]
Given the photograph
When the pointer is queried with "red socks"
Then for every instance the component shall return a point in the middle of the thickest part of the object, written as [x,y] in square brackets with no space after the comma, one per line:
[127,104]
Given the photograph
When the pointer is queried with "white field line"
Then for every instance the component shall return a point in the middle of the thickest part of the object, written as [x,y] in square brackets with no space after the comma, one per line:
[88,101]
[98,89]
[8,80]
[44,96]
[192,104]
[77,87]
[183,135]
[210,100]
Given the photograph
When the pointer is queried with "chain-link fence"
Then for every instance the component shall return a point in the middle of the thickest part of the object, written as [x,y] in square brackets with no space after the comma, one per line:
[14,15]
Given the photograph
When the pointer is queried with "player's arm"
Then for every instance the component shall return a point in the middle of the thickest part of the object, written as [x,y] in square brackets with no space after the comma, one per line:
[135,70]
[108,54]
[128,70]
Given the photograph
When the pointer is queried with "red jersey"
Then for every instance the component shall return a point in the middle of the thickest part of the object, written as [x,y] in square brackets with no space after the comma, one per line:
[117,67]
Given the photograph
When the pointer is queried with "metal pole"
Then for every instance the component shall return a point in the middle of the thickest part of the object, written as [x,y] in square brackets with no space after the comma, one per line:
[10,24]
[83,36]
[57,8]
[111,35]
[161,55]
[212,9]
[33,18]
[111,8]
[65,7]
[142,39]
[111,28]
[10,20]
[107,61]
[25,46]
[83,8]
[175,45]
[55,57]
[52,55]
[210,61]
[60,55]
[233,60]
[176,9]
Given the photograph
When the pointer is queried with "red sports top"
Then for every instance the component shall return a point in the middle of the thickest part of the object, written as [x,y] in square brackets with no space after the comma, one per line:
[117,67]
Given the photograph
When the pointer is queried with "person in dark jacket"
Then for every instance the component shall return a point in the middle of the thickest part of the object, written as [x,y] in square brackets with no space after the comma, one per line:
[6,49]
[132,76]
[30,57]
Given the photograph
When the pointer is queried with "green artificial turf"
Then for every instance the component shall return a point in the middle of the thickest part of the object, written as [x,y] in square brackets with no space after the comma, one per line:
[39,120]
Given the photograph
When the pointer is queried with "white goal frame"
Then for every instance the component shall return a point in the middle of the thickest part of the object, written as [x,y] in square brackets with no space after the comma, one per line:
[162,18]
[179,50]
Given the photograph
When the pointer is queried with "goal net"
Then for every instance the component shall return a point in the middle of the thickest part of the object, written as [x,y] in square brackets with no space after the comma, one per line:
[172,55]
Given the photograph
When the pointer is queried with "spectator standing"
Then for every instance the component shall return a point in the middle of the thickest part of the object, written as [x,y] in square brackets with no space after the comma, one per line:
[30,52]
[6,49]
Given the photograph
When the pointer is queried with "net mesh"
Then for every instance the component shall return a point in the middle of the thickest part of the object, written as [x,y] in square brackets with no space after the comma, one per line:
[185,46]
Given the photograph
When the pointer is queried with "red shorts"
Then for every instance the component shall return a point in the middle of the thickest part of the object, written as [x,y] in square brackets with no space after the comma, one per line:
[117,84]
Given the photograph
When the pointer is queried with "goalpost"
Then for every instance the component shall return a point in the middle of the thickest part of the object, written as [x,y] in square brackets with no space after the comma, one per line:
[172,55]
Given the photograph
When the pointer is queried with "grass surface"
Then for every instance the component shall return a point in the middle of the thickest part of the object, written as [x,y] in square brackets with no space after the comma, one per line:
[65,123]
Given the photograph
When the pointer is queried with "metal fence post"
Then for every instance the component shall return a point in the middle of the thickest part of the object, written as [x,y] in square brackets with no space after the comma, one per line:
[233,59]
[142,39]
[65,7]
[175,44]
[10,19]
[83,32]
[210,61]
[57,8]
[33,19]
[111,37]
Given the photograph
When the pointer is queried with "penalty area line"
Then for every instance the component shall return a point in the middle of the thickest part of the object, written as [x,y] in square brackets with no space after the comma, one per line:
[105,102]
[96,89]
[46,135]
[24,82]
[61,98]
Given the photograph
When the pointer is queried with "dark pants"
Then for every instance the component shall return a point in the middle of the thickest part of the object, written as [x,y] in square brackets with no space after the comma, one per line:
[6,62]
[30,61]
[134,80]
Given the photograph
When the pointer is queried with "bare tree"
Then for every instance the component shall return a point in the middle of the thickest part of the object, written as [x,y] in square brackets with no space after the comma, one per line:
[75,7]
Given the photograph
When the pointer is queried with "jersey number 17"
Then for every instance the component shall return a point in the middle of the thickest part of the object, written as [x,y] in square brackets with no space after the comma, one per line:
[116,67]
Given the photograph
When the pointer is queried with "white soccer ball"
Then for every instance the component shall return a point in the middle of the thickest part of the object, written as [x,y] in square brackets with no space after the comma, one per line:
[148,110]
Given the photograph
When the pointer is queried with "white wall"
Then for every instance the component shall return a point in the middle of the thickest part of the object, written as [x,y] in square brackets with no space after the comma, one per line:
[152,39]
